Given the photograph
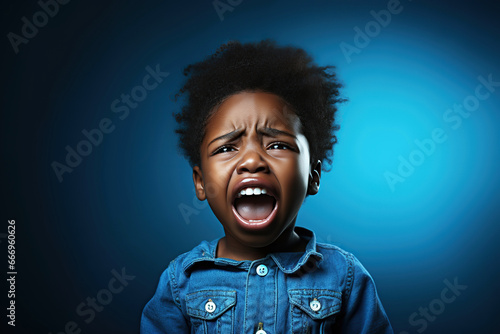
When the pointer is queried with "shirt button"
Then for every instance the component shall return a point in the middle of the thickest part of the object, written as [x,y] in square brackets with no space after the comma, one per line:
[261,271]
[210,306]
[260,329]
[315,305]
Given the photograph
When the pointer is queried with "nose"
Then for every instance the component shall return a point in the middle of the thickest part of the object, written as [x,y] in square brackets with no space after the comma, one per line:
[252,161]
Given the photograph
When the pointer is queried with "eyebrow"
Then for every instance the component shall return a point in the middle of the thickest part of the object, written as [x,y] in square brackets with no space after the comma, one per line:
[270,132]
[229,136]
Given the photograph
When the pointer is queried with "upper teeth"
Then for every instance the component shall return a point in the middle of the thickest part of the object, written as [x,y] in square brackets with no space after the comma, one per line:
[252,191]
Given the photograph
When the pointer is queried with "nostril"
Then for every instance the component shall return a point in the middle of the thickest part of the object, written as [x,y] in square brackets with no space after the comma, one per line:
[252,163]
[261,169]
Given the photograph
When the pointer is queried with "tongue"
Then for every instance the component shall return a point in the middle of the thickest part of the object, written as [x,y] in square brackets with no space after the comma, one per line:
[254,207]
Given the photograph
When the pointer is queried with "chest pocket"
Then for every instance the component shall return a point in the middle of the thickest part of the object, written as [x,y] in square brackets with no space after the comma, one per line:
[313,310]
[211,311]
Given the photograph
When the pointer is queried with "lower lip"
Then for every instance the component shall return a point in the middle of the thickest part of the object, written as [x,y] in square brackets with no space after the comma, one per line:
[256,224]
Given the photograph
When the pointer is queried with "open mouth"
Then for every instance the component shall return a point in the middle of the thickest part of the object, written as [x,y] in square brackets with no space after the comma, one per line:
[254,206]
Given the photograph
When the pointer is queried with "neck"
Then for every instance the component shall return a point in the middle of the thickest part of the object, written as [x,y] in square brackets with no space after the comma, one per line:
[230,248]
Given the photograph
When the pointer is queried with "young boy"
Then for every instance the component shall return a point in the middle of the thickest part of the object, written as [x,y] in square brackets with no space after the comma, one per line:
[258,122]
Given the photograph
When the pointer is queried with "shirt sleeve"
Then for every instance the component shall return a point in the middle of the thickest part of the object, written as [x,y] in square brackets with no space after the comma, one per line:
[163,314]
[363,312]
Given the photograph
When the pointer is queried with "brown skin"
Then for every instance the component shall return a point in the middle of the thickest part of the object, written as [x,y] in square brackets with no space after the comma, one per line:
[279,159]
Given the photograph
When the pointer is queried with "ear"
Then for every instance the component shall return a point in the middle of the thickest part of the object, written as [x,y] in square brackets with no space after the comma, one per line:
[199,184]
[314,177]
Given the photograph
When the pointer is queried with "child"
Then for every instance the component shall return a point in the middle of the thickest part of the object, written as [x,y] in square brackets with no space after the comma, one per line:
[258,122]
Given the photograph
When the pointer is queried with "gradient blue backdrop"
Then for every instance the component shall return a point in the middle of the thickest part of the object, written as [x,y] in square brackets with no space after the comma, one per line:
[121,207]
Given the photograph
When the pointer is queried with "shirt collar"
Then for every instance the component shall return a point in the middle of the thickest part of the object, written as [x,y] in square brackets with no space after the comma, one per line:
[287,262]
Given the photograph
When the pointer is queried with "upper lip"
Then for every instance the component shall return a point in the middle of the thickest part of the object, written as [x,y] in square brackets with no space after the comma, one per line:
[254,182]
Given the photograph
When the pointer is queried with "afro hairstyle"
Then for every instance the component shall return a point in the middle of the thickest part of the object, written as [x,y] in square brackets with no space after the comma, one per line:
[311,91]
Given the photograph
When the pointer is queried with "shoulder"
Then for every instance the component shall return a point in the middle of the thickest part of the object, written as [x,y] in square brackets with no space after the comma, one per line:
[344,262]
[175,275]
[328,253]
[203,251]
[361,310]
[332,252]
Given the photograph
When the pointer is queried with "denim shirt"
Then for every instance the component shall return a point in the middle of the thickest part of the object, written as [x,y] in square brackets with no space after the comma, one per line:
[322,290]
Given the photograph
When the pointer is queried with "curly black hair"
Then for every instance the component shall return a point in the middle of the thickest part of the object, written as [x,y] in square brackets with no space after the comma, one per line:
[289,72]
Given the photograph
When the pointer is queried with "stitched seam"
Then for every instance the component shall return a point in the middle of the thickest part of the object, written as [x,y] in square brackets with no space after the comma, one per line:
[174,288]
[233,310]
[276,273]
[349,274]
[246,299]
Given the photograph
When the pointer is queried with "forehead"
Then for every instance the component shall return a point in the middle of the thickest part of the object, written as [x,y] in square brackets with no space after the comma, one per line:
[253,109]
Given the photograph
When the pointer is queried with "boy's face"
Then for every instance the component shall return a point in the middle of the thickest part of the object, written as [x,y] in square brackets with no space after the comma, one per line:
[255,168]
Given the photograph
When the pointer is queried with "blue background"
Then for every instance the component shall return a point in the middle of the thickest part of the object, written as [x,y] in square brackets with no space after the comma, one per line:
[121,207]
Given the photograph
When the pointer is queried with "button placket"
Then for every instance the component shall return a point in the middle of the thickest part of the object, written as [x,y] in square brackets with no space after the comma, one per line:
[261,290]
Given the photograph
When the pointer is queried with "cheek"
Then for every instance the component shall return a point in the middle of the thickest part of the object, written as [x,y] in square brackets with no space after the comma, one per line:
[294,177]
[213,191]
[305,156]
[216,183]
[302,168]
